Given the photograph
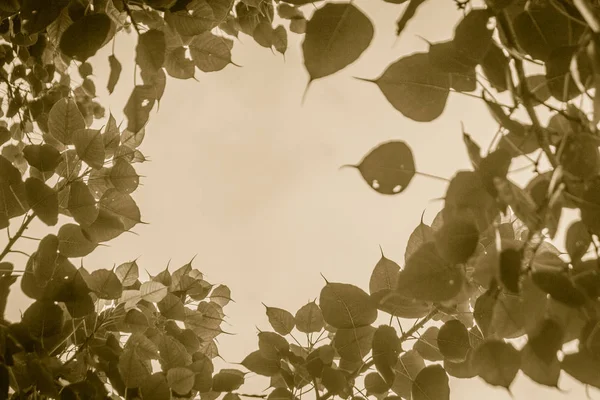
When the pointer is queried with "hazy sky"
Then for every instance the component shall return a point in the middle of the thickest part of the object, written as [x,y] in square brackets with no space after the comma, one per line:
[248,180]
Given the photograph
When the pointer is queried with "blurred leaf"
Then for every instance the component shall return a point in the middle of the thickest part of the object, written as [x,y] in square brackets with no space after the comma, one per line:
[280,40]
[582,366]
[43,319]
[82,39]
[457,240]
[497,362]
[155,387]
[386,349]
[334,380]
[431,383]
[559,285]
[453,341]
[150,51]
[578,240]
[42,156]
[427,344]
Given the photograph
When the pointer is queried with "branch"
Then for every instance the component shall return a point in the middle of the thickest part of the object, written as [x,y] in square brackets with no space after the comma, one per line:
[526,95]
[588,14]
[130,15]
[12,241]
[407,335]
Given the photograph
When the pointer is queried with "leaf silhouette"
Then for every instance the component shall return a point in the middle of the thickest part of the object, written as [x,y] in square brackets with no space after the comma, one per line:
[453,341]
[582,366]
[43,201]
[261,365]
[150,51]
[180,380]
[178,66]
[90,147]
[309,318]
[457,240]
[138,107]
[388,168]
[336,36]
[346,306]
[82,39]
[105,284]
[384,275]
[227,380]
[415,88]
[427,345]
[431,383]
[386,349]
[353,344]
[123,177]
[64,119]
[42,156]
[82,204]
[210,53]
[73,243]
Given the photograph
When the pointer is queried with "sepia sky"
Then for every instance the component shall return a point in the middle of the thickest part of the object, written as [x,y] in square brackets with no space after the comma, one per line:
[247,179]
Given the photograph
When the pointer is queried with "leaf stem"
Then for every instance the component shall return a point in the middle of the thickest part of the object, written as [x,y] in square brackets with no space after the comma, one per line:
[526,95]
[18,234]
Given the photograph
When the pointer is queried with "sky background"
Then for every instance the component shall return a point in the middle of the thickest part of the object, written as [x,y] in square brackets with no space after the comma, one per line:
[247,179]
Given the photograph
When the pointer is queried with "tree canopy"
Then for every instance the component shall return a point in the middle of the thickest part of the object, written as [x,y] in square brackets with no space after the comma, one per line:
[489,293]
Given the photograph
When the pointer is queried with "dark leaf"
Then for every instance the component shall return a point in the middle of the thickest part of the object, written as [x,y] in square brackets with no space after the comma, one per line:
[180,380]
[407,368]
[261,365]
[431,383]
[422,234]
[457,240]
[42,156]
[177,65]
[43,201]
[138,107]
[578,240]
[453,341]
[346,306]
[386,349]
[497,362]
[73,243]
[495,67]
[82,39]
[155,387]
[227,380]
[150,51]
[510,268]
[105,284]
[115,73]
[472,37]
[336,36]
[384,276]
[43,319]
[309,318]
[353,344]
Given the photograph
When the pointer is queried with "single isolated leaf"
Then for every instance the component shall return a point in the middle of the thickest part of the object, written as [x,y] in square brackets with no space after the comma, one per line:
[309,318]
[138,107]
[415,88]
[128,273]
[497,362]
[280,40]
[115,73]
[261,365]
[428,277]
[336,36]
[346,306]
[82,39]
[384,275]
[431,383]
[388,168]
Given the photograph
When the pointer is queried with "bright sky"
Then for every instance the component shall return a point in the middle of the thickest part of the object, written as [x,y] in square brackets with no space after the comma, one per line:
[248,180]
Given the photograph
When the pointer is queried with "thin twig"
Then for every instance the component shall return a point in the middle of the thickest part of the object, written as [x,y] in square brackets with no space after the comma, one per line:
[11,242]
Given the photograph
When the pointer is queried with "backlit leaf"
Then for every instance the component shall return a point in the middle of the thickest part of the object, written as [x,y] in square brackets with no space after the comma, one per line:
[124,177]
[431,383]
[181,380]
[105,284]
[155,387]
[127,273]
[457,240]
[150,51]
[82,204]
[497,362]
[72,242]
[384,276]
[309,318]
[346,306]
[138,107]
[386,349]
[407,368]
[178,65]
[427,345]
[64,119]
[134,370]
[336,36]
[261,365]
[210,53]
[90,147]
[422,234]
[388,168]
[115,73]
[281,320]
[42,156]
[353,344]
[227,380]
[453,341]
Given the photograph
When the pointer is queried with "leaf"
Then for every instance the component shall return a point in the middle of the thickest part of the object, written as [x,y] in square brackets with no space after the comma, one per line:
[200,20]
[281,320]
[105,284]
[582,366]
[172,353]
[115,73]
[280,41]
[281,394]
[128,273]
[227,380]
[386,349]
[138,107]
[309,318]
[427,345]
[353,344]
[388,168]
[384,275]
[42,156]
[37,15]
[407,15]
[263,34]
[457,240]
[155,387]
[559,79]
[422,234]
[210,53]
[394,303]
[374,384]
[82,39]
[559,286]
[153,291]
[336,36]
[431,383]
[346,306]
[510,268]
[472,37]
[580,155]
[497,362]
[428,277]
[122,206]
[82,204]
[272,345]
[407,368]
[124,177]
[453,341]
[45,261]
[415,88]
[43,201]
[258,364]
[181,380]
[334,380]
[150,51]
[43,319]
[64,119]
[538,357]
[72,242]
[578,240]
[133,369]
[178,65]
[445,57]
[495,66]
[90,147]
[171,307]
[540,29]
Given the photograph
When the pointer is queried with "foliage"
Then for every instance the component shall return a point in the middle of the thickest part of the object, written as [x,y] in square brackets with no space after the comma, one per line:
[484,269]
